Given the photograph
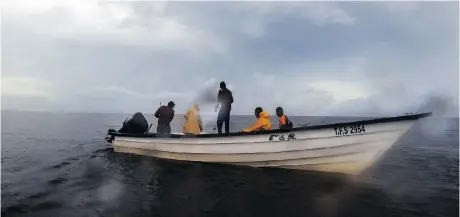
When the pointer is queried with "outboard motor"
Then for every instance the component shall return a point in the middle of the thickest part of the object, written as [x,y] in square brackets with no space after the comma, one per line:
[109,138]
[137,124]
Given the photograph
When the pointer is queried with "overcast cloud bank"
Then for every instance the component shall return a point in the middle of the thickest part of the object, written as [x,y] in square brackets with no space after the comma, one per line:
[312,58]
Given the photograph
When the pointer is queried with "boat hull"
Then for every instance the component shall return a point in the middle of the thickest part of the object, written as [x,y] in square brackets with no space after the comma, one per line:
[346,148]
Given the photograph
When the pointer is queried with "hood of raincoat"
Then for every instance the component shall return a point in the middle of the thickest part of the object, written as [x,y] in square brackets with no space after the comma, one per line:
[196,107]
[263,115]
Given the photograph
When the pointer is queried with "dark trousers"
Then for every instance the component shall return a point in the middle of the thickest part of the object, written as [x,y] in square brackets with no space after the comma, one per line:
[163,130]
[223,117]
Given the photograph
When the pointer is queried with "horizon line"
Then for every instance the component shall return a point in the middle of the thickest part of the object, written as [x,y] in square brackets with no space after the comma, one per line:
[203,114]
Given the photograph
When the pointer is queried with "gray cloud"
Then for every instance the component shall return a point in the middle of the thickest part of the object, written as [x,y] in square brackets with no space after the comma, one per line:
[312,58]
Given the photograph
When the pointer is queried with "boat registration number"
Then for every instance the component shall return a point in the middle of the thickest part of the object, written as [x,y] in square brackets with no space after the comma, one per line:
[353,129]
[291,136]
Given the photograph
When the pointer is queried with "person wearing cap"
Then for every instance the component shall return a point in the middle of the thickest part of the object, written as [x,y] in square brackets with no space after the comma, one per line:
[225,99]
[165,115]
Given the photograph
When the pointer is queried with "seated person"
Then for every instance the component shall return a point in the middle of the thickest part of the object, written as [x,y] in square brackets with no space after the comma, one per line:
[262,123]
[285,123]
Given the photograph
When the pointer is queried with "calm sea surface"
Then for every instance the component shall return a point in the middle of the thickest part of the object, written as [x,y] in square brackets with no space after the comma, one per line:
[60,165]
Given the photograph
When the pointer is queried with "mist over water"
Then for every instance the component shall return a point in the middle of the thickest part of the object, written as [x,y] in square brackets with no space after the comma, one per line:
[206,98]
[439,105]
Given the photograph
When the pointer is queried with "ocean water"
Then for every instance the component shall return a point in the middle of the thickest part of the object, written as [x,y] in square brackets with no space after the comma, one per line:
[59,165]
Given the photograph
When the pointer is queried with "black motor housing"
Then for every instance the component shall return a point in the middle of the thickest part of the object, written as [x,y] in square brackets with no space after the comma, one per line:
[137,124]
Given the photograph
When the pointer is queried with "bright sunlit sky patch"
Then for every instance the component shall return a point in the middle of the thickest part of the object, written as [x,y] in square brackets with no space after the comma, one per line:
[312,58]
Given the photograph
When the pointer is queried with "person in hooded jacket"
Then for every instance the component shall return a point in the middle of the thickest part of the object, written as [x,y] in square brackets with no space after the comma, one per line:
[262,122]
[193,123]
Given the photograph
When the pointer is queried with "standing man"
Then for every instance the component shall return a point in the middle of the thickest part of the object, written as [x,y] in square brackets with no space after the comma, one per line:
[225,99]
[165,115]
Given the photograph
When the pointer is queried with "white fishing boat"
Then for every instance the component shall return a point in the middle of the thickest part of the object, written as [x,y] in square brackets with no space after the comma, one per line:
[340,147]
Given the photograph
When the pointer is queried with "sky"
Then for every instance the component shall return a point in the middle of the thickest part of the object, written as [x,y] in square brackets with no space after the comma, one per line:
[311,58]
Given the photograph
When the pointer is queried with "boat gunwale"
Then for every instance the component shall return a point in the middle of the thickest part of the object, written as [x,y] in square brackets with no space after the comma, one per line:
[305,128]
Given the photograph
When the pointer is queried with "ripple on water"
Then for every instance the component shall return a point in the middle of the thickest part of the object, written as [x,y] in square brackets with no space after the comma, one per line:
[57,181]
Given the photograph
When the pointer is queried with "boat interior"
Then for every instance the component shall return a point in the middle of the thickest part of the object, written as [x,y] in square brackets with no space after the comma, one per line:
[410,116]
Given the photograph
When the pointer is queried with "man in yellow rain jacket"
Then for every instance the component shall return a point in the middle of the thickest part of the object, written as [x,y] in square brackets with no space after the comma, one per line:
[262,123]
[193,124]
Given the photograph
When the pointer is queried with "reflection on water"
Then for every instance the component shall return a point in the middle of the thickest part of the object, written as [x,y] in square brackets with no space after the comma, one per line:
[71,171]
[191,189]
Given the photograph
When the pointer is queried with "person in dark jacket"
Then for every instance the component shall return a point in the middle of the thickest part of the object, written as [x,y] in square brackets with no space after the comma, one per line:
[225,99]
[165,115]
[285,123]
